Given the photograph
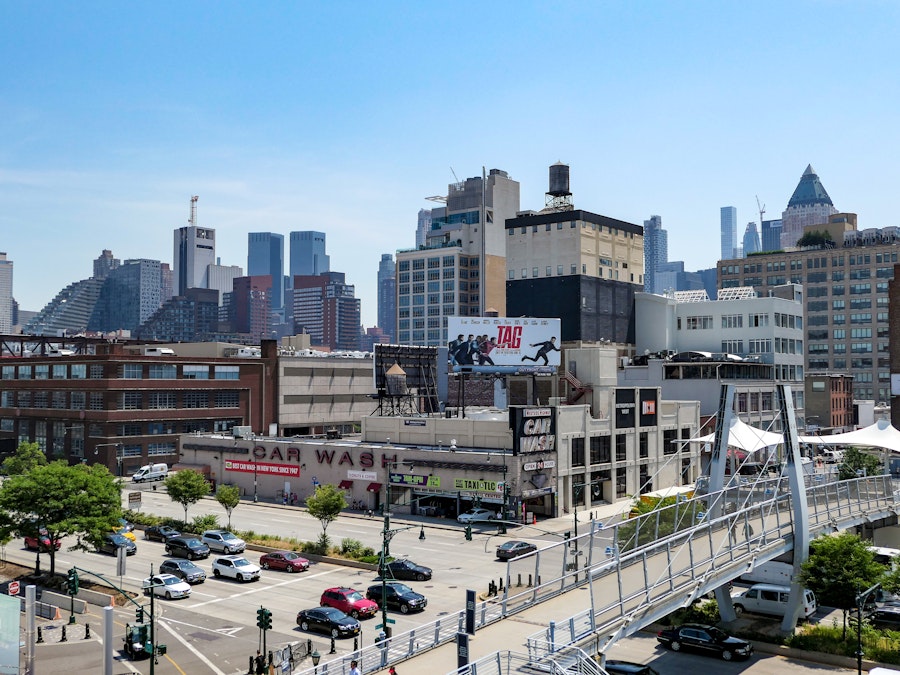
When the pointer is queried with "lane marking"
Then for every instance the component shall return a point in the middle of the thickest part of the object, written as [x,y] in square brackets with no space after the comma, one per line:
[295,579]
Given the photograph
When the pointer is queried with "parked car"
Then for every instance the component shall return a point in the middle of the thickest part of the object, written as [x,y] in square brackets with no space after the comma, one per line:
[161,533]
[406,569]
[235,567]
[475,516]
[40,541]
[125,525]
[886,617]
[703,638]
[167,586]
[327,620]
[183,569]
[284,560]
[628,668]
[513,549]
[125,532]
[397,596]
[223,541]
[111,543]
[187,547]
[349,601]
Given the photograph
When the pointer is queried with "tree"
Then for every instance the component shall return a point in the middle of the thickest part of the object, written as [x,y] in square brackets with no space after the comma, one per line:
[186,487]
[325,504]
[28,455]
[856,463]
[228,496]
[838,568]
[67,500]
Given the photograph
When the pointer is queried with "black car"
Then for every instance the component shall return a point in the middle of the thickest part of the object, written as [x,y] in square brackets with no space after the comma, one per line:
[406,569]
[513,549]
[111,543]
[886,617]
[397,596]
[161,533]
[703,638]
[628,668]
[183,569]
[187,547]
[328,620]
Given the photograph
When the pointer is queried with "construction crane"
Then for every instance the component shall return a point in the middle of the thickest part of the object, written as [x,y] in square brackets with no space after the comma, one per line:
[454,174]
[762,211]
[193,219]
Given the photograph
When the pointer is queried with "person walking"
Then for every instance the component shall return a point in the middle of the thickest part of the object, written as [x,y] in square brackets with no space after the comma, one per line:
[354,668]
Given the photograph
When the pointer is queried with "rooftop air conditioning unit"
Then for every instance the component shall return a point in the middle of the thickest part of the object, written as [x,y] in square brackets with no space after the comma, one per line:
[242,432]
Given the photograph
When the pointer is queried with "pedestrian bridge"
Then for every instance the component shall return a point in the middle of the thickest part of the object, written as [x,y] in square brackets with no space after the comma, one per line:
[617,578]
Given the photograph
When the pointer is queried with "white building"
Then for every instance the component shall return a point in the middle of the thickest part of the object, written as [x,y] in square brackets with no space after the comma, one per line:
[6,294]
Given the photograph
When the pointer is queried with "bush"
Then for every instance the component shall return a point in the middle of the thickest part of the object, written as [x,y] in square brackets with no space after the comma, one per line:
[203,523]
[703,611]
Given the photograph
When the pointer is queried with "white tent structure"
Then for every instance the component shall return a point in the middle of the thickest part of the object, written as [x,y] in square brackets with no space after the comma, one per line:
[745,437]
[878,435]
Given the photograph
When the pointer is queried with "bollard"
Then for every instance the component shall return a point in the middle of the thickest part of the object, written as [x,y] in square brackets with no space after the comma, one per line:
[520,580]
[501,584]
[64,638]
[87,631]
[538,582]
[355,644]
[333,650]
[250,668]
[308,647]
[40,638]
[529,581]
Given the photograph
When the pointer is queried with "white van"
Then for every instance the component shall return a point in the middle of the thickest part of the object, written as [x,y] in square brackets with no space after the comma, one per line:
[771,599]
[151,472]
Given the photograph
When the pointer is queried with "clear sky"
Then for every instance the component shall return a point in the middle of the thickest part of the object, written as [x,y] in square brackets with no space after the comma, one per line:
[343,116]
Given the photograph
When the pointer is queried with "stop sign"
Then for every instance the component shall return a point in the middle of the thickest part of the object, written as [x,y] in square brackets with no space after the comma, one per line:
[13,587]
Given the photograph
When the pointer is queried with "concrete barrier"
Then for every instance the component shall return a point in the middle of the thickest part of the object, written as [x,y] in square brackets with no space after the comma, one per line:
[63,601]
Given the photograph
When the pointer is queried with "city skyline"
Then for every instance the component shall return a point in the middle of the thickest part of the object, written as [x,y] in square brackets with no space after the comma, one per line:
[343,119]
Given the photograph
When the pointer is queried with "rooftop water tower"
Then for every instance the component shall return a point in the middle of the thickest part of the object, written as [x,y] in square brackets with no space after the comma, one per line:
[559,197]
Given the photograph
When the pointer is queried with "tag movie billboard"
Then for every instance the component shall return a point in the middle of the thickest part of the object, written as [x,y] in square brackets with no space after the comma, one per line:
[490,343]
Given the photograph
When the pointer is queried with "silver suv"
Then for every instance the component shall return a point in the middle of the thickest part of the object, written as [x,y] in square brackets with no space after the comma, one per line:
[223,541]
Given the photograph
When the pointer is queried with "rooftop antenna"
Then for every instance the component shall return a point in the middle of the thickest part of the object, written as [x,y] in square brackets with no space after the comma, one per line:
[192,221]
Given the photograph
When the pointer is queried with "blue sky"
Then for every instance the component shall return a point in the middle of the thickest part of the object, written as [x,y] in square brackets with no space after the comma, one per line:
[343,116]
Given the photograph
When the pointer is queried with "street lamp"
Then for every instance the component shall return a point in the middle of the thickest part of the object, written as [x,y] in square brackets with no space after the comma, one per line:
[120,456]
[316,657]
[861,599]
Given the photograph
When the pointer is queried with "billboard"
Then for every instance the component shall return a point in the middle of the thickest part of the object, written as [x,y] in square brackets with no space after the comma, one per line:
[502,344]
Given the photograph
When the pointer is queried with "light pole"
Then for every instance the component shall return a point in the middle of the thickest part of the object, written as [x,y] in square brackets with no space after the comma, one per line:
[386,535]
[860,602]
[255,483]
[120,457]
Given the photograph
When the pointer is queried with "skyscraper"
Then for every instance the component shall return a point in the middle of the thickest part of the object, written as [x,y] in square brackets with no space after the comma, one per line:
[771,235]
[195,251]
[251,305]
[104,264]
[751,240]
[6,294]
[656,253]
[130,295]
[326,308]
[387,291]
[809,205]
[265,255]
[728,231]
[423,226]
[308,254]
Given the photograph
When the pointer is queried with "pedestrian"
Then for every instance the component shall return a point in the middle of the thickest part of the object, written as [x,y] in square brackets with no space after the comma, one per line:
[392,671]
[354,669]
[260,663]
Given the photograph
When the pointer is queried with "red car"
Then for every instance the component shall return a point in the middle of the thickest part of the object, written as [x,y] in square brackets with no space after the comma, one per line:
[350,602]
[283,560]
[41,541]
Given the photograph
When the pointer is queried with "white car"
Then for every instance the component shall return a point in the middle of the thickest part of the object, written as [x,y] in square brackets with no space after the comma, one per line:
[166,585]
[235,567]
[475,516]
[223,541]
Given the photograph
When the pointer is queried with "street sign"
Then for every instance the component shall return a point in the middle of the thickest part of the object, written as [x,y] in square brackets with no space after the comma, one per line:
[134,500]
[390,621]
[378,626]
[13,588]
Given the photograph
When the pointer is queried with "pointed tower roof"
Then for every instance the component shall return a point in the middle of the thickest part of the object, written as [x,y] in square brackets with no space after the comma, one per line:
[809,190]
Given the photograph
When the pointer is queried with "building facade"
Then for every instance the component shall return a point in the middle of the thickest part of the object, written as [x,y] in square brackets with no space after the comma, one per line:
[307,255]
[751,241]
[728,232]
[251,299]
[194,252]
[809,205]
[326,308]
[656,254]
[6,295]
[387,295]
[130,294]
[461,268]
[265,255]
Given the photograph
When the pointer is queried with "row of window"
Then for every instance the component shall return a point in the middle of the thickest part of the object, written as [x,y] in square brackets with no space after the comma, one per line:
[601,447]
[150,400]
[127,371]
[812,262]
[573,269]
[572,225]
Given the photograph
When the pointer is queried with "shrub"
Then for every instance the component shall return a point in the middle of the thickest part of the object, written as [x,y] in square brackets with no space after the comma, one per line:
[704,611]
[202,523]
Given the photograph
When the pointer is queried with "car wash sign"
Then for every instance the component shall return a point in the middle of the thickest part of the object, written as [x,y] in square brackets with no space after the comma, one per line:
[534,429]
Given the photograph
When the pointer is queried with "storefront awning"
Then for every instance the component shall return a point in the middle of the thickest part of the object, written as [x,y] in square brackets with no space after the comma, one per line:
[374,487]
[345,484]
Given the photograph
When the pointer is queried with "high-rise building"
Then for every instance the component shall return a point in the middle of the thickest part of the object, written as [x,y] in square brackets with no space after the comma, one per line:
[728,231]
[751,240]
[165,272]
[130,295]
[195,251]
[104,264]
[461,268]
[221,278]
[6,295]
[326,308]
[423,226]
[308,254]
[387,295]
[579,266]
[771,235]
[265,255]
[656,253]
[809,205]
[251,299]
[189,318]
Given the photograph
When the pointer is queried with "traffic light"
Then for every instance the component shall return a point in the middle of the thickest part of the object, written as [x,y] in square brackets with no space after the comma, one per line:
[264,618]
[468,533]
[72,582]
[139,615]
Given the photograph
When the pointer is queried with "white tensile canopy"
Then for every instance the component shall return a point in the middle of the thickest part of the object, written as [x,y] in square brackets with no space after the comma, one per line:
[743,436]
[878,435]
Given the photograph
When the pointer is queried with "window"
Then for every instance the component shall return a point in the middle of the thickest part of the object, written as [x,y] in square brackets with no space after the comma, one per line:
[620,448]
[24,372]
[601,450]
[699,323]
[42,372]
[96,371]
[78,371]
[161,400]
[578,451]
[759,320]
[195,372]
[59,371]
[9,372]
[228,399]
[132,371]
[732,321]
[77,400]
[228,372]
[644,445]
[97,401]
[130,400]
[59,400]
[163,371]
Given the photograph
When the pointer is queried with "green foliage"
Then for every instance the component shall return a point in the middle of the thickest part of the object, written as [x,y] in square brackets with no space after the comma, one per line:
[202,523]
[68,500]
[672,516]
[881,646]
[228,496]
[839,567]
[325,504]
[314,547]
[355,550]
[816,238]
[703,611]
[186,487]
[28,455]
[855,460]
